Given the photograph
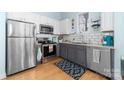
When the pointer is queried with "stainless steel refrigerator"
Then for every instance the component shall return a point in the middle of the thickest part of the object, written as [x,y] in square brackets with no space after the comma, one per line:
[21,53]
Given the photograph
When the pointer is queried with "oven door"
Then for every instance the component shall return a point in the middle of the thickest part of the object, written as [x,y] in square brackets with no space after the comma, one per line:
[47,52]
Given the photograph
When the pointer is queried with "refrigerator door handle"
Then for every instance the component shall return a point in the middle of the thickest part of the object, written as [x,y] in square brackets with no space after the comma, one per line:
[34,28]
[10,28]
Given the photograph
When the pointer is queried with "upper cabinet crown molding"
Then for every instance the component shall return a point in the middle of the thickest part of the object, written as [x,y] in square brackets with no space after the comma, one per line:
[107,21]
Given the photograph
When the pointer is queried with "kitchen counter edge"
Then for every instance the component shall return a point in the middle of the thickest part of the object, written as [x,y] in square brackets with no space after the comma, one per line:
[90,45]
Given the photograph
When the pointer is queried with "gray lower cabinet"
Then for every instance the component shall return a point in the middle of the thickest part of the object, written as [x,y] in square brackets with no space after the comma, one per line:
[71,53]
[90,64]
[74,53]
[105,62]
[104,65]
[63,50]
[80,57]
[83,55]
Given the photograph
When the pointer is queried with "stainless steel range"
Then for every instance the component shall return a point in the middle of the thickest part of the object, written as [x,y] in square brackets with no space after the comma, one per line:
[48,47]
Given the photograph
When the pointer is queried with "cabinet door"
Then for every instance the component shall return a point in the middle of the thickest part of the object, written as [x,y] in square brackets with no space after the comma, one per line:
[89,57]
[105,63]
[56,27]
[30,17]
[63,51]
[74,25]
[62,27]
[80,55]
[50,21]
[43,20]
[77,54]
[90,64]
[71,53]
[107,21]
[65,26]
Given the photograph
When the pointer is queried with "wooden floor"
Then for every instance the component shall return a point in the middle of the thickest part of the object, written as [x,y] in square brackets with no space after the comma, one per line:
[48,71]
[122,77]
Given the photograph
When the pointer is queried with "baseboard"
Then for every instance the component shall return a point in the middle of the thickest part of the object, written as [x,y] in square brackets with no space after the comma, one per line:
[2,76]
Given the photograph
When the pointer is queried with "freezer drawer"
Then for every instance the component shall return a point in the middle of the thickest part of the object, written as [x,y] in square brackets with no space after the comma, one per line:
[15,55]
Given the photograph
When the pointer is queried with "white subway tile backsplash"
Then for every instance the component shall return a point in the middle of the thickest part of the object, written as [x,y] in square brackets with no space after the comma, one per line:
[89,37]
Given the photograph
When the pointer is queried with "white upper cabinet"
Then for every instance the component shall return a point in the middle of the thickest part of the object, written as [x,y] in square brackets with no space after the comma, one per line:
[74,25]
[25,16]
[51,22]
[43,20]
[56,27]
[15,16]
[65,26]
[46,20]
[107,21]
[30,17]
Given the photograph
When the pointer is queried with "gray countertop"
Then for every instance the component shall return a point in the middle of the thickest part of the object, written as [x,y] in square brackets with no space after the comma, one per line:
[91,45]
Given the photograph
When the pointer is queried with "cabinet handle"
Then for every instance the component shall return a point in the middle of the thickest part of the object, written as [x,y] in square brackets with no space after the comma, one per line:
[34,28]
[104,50]
[100,57]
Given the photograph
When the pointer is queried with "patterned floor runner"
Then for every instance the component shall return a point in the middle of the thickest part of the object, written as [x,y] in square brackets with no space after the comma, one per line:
[72,69]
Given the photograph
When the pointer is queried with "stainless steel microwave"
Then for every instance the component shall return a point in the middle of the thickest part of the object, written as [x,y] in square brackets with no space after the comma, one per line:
[46,29]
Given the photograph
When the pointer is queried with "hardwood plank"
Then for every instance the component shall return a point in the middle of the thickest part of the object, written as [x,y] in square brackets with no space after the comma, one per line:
[49,71]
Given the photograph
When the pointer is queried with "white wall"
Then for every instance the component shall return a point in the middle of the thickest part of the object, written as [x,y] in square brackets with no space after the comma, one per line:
[2,45]
[119,42]
[54,15]
[65,15]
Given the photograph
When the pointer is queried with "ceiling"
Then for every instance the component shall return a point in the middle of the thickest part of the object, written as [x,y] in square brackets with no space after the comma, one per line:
[58,15]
